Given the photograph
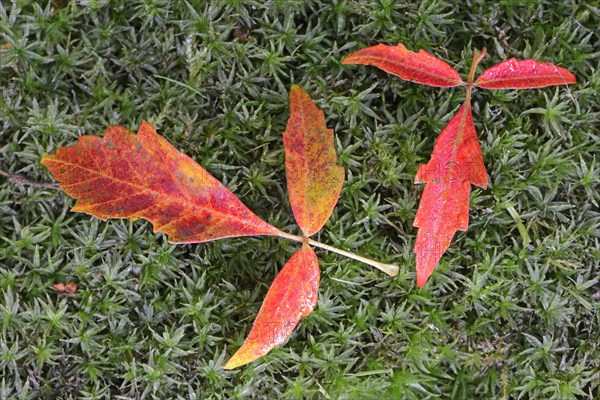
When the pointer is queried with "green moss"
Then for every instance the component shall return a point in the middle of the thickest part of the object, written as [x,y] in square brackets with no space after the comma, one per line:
[503,317]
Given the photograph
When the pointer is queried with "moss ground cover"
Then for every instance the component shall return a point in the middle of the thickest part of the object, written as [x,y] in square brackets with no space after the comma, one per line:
[512,309]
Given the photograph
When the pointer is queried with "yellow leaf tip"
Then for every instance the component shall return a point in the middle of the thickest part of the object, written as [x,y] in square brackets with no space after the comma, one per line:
[230,365]
[233,364]
[243,356]
[47,157]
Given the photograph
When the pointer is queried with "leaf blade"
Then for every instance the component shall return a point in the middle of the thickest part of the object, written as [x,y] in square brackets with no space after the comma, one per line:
[127,175]
[524,74]
[455,164]
[314,179]
[292,295]
[420,67]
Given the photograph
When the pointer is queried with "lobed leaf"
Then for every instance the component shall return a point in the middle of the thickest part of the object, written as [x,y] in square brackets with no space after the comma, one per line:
[313,177]
[456,163]
[292,295]
[125,175]
[524,74]
[419,67]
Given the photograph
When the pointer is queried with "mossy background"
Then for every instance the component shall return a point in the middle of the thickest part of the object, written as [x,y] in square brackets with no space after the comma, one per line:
[510,313]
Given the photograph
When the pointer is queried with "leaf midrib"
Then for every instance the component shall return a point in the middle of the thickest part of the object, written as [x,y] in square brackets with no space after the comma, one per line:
[163,194]
[518,78]
[412,68]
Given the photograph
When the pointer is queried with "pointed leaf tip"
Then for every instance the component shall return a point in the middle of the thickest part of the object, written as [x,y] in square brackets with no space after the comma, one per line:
[313,177]
[292,295]
[124,175]
[524,74]
[420,67]
[422,278]
[456,163]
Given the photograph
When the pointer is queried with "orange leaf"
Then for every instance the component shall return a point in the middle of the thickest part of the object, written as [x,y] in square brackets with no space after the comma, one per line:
[292,295]
[125,175]
[69,288]
[419,67]
[313,177]
[524,74]
[456,163]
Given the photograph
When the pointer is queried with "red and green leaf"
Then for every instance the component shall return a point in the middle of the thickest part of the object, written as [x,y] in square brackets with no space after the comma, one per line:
[456,163]
[313,177]
[524,74]
[419,67]
[125,175]
[292,295]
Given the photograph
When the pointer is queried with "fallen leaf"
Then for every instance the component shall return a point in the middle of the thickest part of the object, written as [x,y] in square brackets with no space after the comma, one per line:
[68,288]
[455,164]
[292,295]
[524,74]
[125,175]
[314,179]
[419,67]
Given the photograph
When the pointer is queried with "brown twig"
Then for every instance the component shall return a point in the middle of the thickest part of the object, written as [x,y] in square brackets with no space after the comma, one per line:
[21,180]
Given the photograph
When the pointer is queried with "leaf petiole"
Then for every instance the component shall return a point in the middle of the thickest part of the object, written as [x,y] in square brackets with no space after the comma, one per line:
[477,57]
[390,269]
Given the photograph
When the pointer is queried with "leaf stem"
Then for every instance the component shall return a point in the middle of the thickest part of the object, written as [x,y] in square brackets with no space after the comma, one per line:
[21,180]
[477,57]
[390,269]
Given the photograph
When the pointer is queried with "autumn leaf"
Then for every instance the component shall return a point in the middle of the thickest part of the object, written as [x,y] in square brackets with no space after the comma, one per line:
[69,288]
[523,74]
[313,177]
[292,295]
[419,67]
[314,184]
[456,163]
[125,175]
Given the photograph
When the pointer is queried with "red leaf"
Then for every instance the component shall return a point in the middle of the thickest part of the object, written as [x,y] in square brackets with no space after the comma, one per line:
[419,67]
[313,177]
[524,74]
[292,295]
[68,288]
[124,175]
[444,208]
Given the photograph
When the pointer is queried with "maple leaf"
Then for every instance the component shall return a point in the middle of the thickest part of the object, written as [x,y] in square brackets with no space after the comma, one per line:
[313,177]
[125,175]
[292,295]
[457,160]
